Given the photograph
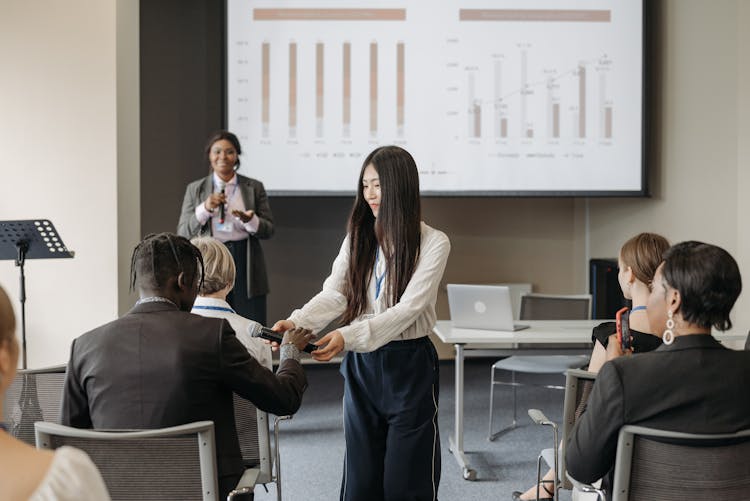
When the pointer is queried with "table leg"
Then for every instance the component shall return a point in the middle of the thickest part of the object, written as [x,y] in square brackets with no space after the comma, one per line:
[456,442]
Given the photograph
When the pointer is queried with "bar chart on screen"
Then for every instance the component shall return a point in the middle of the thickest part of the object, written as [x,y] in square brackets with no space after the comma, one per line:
[497,96]
[326,72]
[549,103]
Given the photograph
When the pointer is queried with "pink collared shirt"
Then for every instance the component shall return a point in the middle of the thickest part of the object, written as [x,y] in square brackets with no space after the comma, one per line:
[239,229]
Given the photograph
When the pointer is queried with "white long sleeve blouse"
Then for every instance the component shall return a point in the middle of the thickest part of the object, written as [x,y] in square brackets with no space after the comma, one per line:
[219,308]
[72,476]
[412,317]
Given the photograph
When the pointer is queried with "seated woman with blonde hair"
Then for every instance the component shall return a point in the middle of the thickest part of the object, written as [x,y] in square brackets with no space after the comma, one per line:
[218,280]
[67,474]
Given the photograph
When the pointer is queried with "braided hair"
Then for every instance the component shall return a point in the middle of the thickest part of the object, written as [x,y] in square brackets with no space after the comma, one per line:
[161,256]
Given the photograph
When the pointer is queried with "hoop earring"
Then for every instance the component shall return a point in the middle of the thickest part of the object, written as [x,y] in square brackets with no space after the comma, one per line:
[668,336]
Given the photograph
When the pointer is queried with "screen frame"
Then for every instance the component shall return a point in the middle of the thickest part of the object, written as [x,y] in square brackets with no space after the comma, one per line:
[643,192]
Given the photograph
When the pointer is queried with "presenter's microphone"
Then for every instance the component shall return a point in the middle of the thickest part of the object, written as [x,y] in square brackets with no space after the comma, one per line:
[223,187]
[257,330]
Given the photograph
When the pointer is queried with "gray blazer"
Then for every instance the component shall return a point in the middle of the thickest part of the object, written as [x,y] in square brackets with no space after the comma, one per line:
[254,197]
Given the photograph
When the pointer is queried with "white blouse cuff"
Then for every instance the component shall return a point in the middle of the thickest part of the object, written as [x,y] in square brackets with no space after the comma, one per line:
[202,214]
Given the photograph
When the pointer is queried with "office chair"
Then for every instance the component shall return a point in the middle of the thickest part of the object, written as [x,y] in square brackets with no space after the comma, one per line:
[34,395]
[541,307]
[167,463]
[669,466]
[255,446]
[578,385]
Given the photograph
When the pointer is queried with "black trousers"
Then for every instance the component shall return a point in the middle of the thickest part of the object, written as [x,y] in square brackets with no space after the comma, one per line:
[254,307]
[390,423]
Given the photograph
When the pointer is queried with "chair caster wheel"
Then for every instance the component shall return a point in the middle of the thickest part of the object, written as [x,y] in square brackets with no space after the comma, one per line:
[470,474]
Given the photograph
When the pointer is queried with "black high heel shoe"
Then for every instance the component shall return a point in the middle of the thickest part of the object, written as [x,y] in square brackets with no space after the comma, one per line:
[517,494]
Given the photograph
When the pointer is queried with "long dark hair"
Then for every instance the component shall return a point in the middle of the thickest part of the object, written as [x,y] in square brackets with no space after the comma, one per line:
[397,229]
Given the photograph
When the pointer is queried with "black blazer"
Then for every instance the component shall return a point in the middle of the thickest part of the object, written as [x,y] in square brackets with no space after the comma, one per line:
[694,385]
[157,366]
[254,197]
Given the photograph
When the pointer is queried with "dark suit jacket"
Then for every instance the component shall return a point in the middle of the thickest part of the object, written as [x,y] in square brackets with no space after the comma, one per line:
[254,197]
[157,366]
[694,385]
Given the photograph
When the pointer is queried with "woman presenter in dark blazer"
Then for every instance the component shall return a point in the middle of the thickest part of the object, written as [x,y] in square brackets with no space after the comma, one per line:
[233,209]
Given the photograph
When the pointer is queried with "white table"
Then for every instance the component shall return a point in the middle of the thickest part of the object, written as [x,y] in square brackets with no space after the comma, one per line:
[503,343]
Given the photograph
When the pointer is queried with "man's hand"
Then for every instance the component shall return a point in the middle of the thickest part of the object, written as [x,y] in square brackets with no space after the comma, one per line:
[332,344]
[299,337]
[280,326]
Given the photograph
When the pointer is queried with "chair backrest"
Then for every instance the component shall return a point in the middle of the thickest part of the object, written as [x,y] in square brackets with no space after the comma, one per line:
[555,307]
[252,433]
[578,386]
[167,463]
[517,290]
[34,395]
[656,464]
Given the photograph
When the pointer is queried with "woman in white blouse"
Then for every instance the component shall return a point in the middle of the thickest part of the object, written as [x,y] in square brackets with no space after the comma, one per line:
[383,288]
[67,474]
[218,279]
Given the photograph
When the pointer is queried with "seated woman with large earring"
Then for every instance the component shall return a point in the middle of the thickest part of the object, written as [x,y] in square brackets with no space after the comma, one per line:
[637,262]
[690,384]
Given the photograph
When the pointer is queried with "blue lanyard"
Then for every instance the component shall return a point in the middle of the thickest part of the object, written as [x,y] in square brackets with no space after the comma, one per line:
[217,308]
[637,308]
[378,280]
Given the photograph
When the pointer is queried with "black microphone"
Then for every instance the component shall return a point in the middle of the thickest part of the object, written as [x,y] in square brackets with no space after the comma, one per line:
[257,330]
[221,206]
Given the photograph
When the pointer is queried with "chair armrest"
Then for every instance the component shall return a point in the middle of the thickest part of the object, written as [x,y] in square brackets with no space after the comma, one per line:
[580,486]
[276,422]
[539,418]
[246,485]
[277,459]
[582,374]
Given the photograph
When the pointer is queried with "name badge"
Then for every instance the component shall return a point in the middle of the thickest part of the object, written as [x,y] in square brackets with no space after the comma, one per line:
[225,226]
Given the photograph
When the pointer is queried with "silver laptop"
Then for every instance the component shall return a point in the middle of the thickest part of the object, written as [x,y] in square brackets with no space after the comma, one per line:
[486,307]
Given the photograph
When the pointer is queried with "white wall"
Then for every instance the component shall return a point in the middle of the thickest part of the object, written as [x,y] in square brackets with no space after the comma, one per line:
[128,145]
[59,136]
[742,315]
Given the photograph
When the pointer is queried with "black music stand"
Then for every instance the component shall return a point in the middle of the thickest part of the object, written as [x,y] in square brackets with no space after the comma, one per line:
[29,239]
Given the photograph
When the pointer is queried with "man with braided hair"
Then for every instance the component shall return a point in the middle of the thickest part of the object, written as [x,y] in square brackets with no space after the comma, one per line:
[159,365]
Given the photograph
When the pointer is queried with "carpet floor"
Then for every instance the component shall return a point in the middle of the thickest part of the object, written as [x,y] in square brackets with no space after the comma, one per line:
[312,444]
